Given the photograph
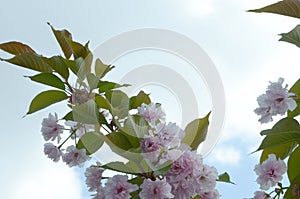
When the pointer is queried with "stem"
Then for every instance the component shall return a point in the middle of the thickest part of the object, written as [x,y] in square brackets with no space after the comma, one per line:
[69,86]
[73,132]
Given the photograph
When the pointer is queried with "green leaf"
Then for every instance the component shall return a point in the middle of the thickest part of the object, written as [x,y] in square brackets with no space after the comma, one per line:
[135,126]
[164,168]
[286,131]
[117,141]
[295,89]
[137,180]
[16,48]
[60,65]
[48,79]
[86,113]
[281,151]
[69,116]
[265,132]
[91,142]
[293,165]
[195,132]
[292,37]
[102,69]
[30,61]
[289,8]
[61,36]
[118,166]
[106,86]
[102,102]
[119,103]
[92,80]
[45,99]
[78,49]
[138,100]
[224,177]
[294,185]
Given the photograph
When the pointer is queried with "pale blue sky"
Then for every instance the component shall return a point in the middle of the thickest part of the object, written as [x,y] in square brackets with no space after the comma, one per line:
[242,45]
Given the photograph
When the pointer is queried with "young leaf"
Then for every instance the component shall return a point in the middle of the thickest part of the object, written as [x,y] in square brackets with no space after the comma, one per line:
[295,89]
[106,86]
[60,65]
[292,37]
[195,132]
[293,165]
[224,177]
[61,36]
[289,8]
[30,61]
[16,48]
[118,166]
[138,100]
[91,142]
[48,79]
[45,99]
[86,113]
[102,69]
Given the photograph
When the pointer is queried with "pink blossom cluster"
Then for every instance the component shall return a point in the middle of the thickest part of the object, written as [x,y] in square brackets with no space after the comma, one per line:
[269,172]
[52,130]
[276,100]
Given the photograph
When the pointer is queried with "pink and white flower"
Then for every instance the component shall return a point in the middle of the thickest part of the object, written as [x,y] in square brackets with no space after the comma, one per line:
[275,101]
[213,194]
[169,134]
[80,128]
[51,129]
[158,189]
[118,187]
[93,176]
[100,193]
[207,178]
[75,157]
[270,172]
[52,152]
[152,113]
[261,195]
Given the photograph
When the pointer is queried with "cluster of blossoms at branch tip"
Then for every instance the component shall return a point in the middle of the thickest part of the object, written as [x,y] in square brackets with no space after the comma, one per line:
[276,100]
[269,174]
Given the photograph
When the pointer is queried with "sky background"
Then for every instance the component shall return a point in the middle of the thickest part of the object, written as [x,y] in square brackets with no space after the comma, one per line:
[244,47]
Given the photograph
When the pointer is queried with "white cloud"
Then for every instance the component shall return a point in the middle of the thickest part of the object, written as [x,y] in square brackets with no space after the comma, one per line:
[225,155]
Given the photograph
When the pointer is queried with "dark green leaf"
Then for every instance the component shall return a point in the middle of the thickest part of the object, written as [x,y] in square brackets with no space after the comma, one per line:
[60,65]
[91,142]
[68,116]
[106,86]
[284,132]
[48,79]
[281,151]
[118,166]
[224,177]
[102,102]
[102,69]
[78,49]
[30,61]
[86,113]
[293,165]
[137,180]
[195,132]
[289,8]
[292,37]
[61,36]
[16,48]
[138,100]
[296,90]
[45,99]
[118,141]
[294,186]
[265,132]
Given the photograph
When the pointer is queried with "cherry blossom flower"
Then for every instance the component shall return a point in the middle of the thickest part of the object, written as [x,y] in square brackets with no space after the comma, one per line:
[118,187]
[213,194]
[100,193]
[80,128]
[170,134]
[75,157]
[275,101]
[93,176]
[52,152]
[158,189]
[270,172]
[207,178]
[151,112]
[80,96]
[261,195]
[51,129]
[151,148]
